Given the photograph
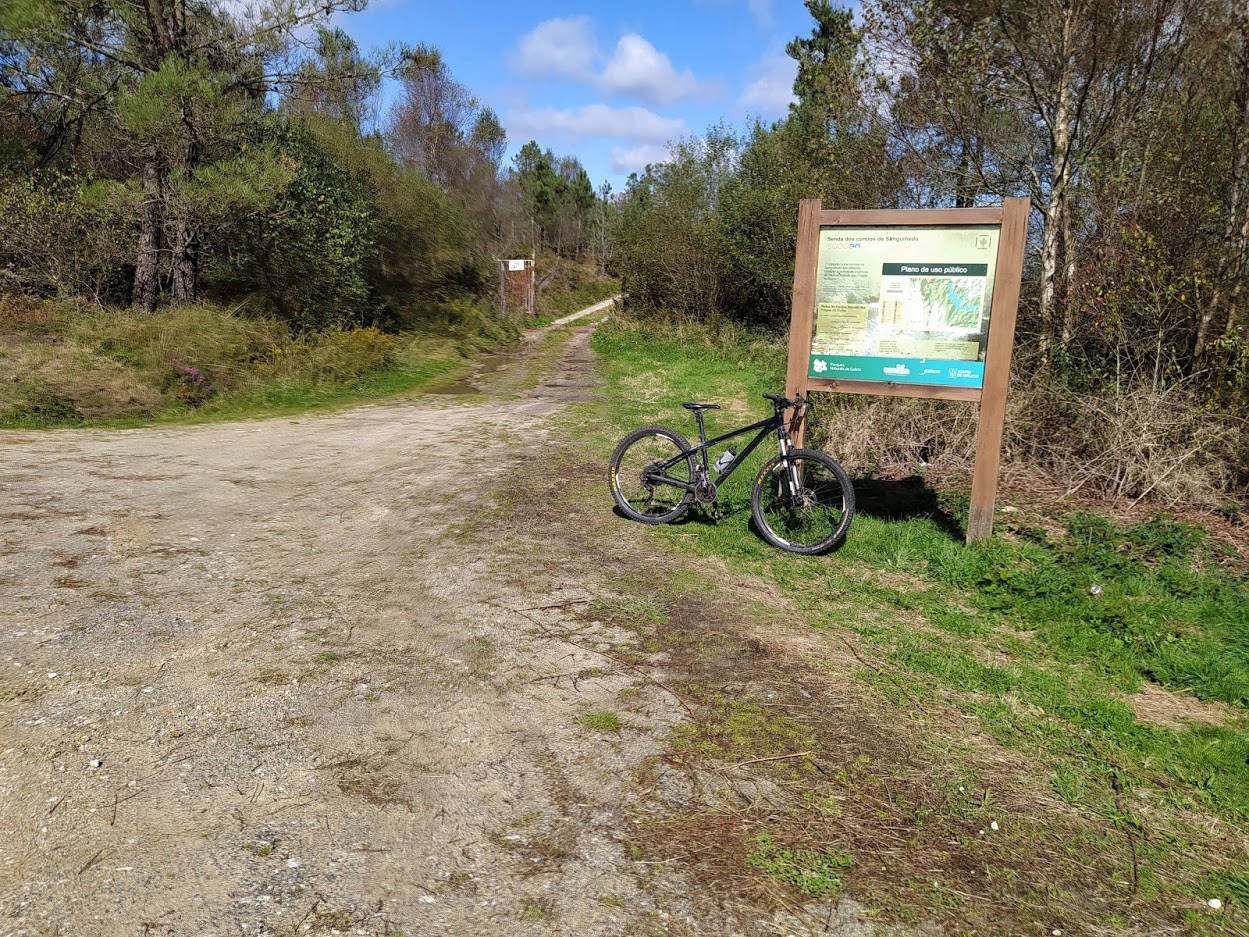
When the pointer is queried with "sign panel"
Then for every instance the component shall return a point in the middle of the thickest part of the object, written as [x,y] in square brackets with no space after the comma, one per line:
[903,304]
[897,303]
[514,265]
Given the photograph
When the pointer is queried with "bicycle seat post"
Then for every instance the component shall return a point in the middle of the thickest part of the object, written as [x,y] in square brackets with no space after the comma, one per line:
[702,433]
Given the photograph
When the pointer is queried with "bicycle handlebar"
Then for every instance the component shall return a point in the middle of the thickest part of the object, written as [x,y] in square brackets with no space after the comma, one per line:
[783,402]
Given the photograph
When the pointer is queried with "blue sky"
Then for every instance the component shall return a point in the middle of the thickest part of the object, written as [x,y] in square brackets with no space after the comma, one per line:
[608,84]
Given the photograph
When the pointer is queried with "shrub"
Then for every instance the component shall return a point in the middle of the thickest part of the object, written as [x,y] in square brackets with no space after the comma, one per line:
[218,343]
[1122,442]
[338,355]
[66,237]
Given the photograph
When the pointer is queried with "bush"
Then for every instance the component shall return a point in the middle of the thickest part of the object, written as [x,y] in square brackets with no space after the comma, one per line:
[67,237]
[339,355]
[218,343]
[1124,443]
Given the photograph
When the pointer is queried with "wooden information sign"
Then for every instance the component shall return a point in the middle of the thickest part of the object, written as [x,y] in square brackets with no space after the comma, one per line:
[912,304]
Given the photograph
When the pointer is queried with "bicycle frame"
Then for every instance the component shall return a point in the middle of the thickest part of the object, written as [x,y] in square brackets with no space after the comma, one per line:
[776,422]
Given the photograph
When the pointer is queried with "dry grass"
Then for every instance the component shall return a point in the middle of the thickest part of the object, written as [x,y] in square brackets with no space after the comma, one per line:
[79,364]
[1126,444]
[64,376]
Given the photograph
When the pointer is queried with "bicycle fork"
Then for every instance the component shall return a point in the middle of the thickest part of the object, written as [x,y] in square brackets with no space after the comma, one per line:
[791,470]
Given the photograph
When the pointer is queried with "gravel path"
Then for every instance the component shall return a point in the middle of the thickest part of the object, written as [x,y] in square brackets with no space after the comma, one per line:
[264,678]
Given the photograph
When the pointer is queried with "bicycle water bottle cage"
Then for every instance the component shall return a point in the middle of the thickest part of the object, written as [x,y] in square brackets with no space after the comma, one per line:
[701,406]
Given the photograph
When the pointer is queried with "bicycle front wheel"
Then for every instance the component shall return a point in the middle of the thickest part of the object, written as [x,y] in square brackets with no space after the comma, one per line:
[802,502]
[642,470]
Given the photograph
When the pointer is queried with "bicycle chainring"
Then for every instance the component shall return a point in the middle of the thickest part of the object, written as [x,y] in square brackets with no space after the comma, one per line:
[705,492]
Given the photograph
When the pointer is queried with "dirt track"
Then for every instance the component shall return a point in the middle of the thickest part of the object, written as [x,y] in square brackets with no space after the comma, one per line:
[256,682]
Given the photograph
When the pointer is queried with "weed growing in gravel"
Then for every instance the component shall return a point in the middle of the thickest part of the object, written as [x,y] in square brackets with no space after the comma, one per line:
[534,910]
[600,720]
[813,872]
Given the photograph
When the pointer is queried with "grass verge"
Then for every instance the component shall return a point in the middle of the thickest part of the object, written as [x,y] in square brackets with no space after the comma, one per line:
[89,367]
[1044,732]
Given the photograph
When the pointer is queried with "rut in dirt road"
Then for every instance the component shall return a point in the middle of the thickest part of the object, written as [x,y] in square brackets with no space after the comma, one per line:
[261,678]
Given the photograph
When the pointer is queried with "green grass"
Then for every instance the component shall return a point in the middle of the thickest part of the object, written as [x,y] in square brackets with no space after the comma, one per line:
[564,303]
[83,366]
[600,720]
[814,872]
[1012,632]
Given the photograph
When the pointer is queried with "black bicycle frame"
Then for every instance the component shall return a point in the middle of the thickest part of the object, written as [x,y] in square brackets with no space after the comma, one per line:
[776,422]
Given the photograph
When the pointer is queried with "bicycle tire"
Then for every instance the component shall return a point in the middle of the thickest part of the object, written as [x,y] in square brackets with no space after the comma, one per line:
[614,475]
[761,522]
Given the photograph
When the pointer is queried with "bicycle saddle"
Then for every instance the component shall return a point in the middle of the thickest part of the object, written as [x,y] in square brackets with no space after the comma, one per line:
[701,406]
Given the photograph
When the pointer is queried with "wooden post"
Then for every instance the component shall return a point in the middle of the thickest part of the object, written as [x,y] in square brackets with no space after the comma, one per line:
[801,315]
[997,367]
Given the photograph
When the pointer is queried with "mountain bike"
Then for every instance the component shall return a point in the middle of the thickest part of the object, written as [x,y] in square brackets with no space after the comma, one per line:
[801,500]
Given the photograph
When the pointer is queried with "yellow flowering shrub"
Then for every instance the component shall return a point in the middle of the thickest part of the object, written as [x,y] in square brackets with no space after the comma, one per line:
[337,354]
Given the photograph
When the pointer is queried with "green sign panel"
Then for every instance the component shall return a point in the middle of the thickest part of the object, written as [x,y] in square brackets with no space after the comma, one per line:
[908,305]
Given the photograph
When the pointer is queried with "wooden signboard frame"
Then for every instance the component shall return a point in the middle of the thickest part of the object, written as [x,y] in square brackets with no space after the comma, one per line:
[1012,218]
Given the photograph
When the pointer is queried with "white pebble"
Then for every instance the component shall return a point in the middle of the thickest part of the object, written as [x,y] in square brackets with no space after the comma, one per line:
[993,825]
[1215,903]
[427,899]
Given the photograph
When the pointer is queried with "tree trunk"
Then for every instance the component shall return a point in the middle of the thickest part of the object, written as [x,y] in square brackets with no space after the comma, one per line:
[1060,173]
[185,268]
[1069,264]
[963,195]
[1237,232]
[185,262]
[146,268]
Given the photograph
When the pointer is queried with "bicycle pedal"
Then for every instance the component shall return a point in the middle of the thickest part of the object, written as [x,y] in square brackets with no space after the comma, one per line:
[716,513]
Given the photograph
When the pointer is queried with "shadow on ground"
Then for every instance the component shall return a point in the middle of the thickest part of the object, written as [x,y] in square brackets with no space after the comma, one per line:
[899,499]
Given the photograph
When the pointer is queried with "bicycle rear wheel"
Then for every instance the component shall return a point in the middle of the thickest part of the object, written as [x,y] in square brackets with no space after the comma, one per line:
[637,471]
[802,502]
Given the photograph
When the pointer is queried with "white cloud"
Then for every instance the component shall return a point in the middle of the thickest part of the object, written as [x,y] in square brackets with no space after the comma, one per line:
[596,120]
[772,85]
[568,49]
[637,158]
[636,67]
[761,10]
[558,48]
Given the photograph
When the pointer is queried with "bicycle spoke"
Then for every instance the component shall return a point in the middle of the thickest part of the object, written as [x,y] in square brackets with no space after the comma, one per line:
[641,469]
[809,514]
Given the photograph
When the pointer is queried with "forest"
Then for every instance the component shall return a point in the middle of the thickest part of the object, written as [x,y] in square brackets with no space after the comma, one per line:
[1126,124]
[198,193]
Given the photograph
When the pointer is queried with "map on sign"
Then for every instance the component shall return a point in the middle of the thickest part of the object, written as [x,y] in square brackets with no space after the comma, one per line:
[907,304]
[931,302]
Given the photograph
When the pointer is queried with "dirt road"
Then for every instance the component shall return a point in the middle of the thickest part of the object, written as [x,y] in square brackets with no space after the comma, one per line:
[259,678]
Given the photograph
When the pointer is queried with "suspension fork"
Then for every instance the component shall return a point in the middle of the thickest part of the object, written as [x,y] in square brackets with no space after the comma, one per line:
[791,470]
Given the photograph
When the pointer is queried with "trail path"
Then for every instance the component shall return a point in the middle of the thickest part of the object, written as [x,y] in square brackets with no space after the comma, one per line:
[587,311]
[255,678]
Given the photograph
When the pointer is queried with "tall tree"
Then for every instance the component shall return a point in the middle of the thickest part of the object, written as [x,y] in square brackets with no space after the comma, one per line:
[336,80]
[1074,70]
[433,118]
[533,171]
[170,77]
